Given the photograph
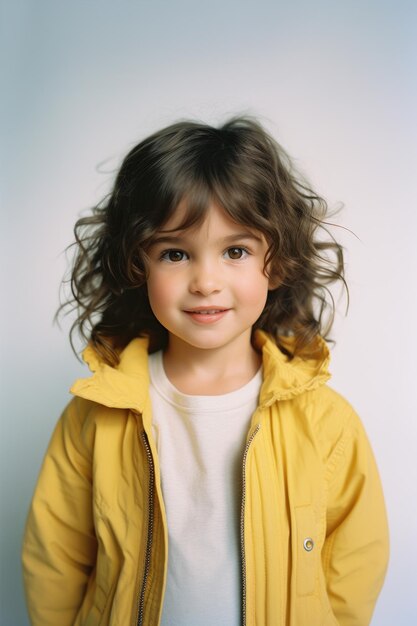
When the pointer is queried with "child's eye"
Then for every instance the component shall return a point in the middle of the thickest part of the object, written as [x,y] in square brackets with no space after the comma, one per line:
[236,253]
[173,256]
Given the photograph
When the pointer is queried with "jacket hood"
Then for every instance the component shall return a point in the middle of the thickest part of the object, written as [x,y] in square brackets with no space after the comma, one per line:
[126,386]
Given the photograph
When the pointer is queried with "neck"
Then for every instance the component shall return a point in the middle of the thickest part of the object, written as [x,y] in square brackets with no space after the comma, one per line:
[210,372]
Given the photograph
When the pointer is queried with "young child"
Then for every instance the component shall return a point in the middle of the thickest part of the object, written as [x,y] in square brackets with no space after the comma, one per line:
[205,475]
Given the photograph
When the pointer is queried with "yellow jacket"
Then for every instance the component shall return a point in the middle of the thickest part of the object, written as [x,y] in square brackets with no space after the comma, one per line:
[314,537]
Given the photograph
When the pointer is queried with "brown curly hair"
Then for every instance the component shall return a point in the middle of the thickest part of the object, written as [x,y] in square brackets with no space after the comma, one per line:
[240,167]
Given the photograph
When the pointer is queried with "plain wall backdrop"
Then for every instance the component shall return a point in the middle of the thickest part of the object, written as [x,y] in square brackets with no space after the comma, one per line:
[333,81]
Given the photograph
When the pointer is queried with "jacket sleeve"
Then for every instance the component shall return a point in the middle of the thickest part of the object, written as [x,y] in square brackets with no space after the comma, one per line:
[355,553]
[59,548]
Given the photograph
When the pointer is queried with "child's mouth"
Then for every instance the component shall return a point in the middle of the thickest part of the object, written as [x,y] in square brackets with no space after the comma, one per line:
[206,316]
[207,312]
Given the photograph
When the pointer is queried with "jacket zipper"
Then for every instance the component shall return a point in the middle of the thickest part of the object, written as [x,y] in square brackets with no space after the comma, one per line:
[242,525]
[141,598]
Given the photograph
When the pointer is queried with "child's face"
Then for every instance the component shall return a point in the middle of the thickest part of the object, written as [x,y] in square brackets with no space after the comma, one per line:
[206,284]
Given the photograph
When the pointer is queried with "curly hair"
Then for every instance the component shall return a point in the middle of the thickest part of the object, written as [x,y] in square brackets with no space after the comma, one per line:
[244,170]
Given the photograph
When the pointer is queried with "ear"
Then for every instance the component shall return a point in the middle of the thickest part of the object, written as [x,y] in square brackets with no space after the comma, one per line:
[273,283]
[274,278]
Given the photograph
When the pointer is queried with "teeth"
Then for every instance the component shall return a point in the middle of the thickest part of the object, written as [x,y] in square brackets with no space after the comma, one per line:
[208,312]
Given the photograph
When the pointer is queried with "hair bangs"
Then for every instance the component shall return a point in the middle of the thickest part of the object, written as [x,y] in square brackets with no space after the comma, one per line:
[241,198]
[191,205]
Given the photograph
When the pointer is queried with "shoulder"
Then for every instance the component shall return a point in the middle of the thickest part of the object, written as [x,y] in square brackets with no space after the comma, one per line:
[333,411]
[332,422]
[84,421]
[324,404]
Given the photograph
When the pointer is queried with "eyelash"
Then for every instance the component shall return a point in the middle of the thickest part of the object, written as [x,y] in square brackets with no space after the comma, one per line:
[164,256]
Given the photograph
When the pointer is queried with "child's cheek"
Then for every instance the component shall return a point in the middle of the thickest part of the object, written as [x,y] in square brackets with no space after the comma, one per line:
[162,291]
[256,289]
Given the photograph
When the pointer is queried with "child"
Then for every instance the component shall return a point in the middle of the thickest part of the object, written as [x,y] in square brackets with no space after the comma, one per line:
[205,475]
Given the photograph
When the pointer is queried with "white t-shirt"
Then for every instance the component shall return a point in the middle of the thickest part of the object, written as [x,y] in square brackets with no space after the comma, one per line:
[200,442]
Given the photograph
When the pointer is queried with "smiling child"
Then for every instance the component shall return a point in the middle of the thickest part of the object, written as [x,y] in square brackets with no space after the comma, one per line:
[205,474]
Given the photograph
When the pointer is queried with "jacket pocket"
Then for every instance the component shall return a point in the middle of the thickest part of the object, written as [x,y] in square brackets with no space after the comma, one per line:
[306,550]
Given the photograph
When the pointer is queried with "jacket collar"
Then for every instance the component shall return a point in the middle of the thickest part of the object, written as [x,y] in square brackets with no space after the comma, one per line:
[126,386]
[285,379]
[123,387]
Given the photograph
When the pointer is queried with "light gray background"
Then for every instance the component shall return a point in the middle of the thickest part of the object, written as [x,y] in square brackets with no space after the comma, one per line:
[333,81]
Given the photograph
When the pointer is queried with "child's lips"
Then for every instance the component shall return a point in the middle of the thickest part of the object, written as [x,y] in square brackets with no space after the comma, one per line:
[206,309]
[206,315]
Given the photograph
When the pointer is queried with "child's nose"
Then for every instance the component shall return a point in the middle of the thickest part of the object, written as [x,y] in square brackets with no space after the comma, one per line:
[206,279]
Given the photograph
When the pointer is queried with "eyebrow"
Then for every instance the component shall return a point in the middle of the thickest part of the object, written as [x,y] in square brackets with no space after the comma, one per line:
[178,240]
